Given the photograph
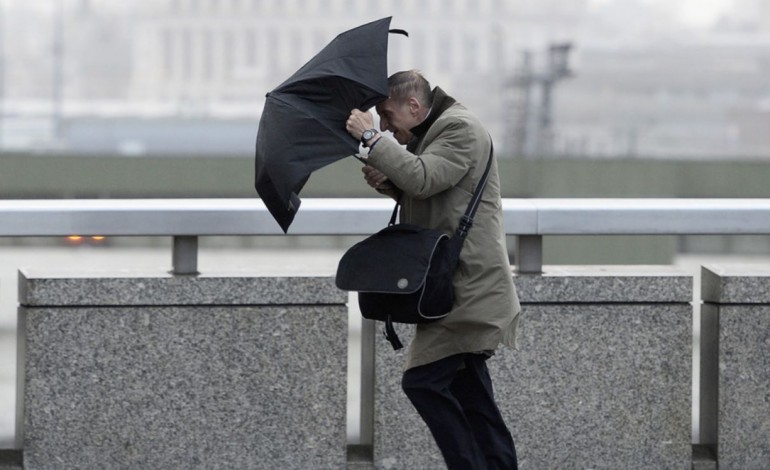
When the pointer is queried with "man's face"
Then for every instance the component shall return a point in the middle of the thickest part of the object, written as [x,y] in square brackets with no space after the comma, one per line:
[398,118]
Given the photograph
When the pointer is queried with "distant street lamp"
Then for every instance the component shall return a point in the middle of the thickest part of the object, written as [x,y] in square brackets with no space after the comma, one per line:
[556,69]
[558,60]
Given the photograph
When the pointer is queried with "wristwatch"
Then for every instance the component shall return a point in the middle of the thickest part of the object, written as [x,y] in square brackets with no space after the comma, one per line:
[367,136]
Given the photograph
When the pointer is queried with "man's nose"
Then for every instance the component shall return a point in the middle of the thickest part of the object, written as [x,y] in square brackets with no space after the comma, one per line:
[383,125]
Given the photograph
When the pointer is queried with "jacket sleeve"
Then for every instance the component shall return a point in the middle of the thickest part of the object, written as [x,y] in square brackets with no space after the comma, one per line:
[443,163]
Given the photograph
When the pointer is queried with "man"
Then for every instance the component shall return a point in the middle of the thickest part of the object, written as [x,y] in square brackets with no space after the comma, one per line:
[446,377]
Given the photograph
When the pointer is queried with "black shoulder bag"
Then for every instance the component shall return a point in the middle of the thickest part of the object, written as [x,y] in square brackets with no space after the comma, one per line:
[403,273]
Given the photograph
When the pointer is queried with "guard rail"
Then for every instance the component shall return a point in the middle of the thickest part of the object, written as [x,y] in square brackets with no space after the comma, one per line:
[528,219]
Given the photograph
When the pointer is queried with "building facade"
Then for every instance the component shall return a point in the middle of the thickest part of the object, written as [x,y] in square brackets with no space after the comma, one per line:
[233,50]
[641,85]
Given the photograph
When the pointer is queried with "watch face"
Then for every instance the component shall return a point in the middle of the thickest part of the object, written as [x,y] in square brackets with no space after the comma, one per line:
[368,134]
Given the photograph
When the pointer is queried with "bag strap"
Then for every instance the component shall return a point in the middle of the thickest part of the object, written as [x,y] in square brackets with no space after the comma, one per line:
[390,334]
[395,212]
[466,222]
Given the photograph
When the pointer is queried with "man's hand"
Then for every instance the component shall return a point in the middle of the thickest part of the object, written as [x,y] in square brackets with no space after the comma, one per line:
[358,122]
[375,178]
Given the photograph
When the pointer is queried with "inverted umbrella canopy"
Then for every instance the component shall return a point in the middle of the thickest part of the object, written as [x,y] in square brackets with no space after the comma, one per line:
[303,122]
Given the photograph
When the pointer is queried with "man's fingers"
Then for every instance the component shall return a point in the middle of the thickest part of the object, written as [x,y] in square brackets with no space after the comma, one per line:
[373,177]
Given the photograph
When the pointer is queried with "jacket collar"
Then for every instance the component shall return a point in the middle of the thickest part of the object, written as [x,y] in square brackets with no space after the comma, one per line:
[440,102]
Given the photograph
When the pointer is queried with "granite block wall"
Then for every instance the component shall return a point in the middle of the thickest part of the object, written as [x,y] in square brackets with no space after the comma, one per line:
[735,399]
[149,370]
[602,378]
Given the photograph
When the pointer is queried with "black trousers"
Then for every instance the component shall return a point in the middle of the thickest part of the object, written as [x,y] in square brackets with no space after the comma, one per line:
[455,399]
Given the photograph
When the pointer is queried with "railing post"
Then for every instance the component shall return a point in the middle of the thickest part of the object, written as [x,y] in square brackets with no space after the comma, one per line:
[185,255]
[367,383]
[529,254]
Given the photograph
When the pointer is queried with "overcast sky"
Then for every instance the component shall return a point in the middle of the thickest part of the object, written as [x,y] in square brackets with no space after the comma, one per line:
[695,13]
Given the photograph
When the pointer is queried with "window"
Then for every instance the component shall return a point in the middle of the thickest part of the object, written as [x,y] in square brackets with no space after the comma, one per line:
[187,54]
[167,47]
[228,53]
[208,55]
[470,55]
[250,40]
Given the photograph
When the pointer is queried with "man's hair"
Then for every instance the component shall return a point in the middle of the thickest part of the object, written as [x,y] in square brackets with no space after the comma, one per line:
[403,85]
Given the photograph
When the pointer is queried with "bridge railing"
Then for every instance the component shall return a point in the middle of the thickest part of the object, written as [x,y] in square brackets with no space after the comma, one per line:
[528,219]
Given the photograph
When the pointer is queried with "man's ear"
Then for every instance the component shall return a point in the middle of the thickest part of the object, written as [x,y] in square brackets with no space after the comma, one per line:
[414,105]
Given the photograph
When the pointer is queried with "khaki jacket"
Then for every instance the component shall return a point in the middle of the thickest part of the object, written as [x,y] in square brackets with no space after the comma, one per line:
[435,176]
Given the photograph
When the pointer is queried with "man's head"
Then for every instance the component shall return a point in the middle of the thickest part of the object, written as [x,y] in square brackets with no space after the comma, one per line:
[407,105]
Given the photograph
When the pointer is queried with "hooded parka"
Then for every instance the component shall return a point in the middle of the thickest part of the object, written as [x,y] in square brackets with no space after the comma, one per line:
[434,177]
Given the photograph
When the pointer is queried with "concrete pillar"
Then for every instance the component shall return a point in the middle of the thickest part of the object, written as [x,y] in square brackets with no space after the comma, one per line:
[602,378]
[735,365]
[151,370]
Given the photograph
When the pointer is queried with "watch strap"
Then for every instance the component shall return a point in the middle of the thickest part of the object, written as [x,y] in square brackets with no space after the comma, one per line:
[364,139]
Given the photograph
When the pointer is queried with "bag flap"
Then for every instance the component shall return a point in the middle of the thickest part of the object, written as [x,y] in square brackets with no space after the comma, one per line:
[394,260]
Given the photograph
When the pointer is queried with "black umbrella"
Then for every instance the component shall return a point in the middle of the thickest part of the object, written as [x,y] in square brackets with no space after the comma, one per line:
[303,123]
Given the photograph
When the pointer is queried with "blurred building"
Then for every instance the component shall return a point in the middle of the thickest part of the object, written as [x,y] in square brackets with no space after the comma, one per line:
[200,53]
[686,100]
[173,75]
[239,49]
[217,58]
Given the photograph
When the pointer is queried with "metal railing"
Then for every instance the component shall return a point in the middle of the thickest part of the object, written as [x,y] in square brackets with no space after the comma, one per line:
[528,219]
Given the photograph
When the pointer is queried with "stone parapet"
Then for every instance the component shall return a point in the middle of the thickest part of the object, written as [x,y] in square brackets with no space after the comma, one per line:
[602,378]
[150,370]
[735,370]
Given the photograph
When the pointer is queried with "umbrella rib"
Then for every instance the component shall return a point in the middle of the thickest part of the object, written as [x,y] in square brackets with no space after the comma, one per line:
[362,56]
[278,97]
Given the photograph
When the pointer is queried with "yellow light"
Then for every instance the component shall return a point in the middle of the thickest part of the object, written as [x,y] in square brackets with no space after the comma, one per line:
[74,238]
[98,238]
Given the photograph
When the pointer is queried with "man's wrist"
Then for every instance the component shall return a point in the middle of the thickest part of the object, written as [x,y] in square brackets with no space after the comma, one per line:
[368,136]
[373,141]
